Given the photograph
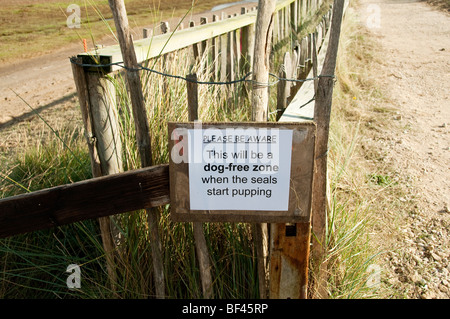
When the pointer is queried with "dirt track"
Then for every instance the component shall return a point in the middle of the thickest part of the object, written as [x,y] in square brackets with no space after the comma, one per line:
[415,77]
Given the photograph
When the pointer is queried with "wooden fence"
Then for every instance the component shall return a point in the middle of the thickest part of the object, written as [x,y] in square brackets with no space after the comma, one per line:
[226,44]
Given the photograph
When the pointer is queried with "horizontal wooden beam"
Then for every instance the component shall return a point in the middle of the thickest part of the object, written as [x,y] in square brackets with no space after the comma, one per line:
[89,199]
[154,46]
[161,44]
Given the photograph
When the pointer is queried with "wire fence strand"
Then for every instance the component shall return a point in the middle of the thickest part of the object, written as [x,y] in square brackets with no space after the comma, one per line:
[245,78]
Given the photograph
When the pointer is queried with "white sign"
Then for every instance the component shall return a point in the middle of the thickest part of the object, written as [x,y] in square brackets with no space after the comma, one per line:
[239,168]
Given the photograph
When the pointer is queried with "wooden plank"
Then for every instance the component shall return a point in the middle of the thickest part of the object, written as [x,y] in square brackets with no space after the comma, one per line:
[147,33]
[283,87]
[148,48]
[215,46]
[165,27]
[247,46]
[200,242]
[281,93]
[203,46]
[195,46]
[294,70]
[89,199]
[287,25]
[294,16]
[322,114]
[237,51]
[230,57]
[223,56]
[314,60]
[289,260]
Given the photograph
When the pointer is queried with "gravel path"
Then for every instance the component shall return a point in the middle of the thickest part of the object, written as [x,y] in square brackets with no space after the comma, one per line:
[415,76]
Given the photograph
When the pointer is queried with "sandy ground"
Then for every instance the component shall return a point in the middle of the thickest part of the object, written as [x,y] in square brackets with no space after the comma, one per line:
[415,77]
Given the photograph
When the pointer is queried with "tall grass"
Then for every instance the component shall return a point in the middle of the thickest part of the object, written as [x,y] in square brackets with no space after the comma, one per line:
[34,265]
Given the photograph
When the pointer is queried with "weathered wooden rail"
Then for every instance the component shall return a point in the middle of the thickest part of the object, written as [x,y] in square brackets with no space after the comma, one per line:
[231,38]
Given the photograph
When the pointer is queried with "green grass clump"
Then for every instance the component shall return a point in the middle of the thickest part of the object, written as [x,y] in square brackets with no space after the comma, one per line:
[34,265]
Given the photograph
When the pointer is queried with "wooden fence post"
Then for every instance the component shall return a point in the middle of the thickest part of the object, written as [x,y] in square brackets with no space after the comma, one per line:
[237,50]
[142,130]
[215,46]
[200,242]
[260,101]
[223,60]
[230,57]
[283,87]
[97,97]
[192,95]
[247,46]
[197,54]
[204,48]
[322,113]
[261,64]
[294,16]
[204,44]
[166,62]
[289,249]
[314,60]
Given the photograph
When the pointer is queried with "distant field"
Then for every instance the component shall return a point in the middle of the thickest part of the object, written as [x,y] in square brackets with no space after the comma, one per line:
[32,27]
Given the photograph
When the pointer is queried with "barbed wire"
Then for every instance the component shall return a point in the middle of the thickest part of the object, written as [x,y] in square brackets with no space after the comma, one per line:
[242,79]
